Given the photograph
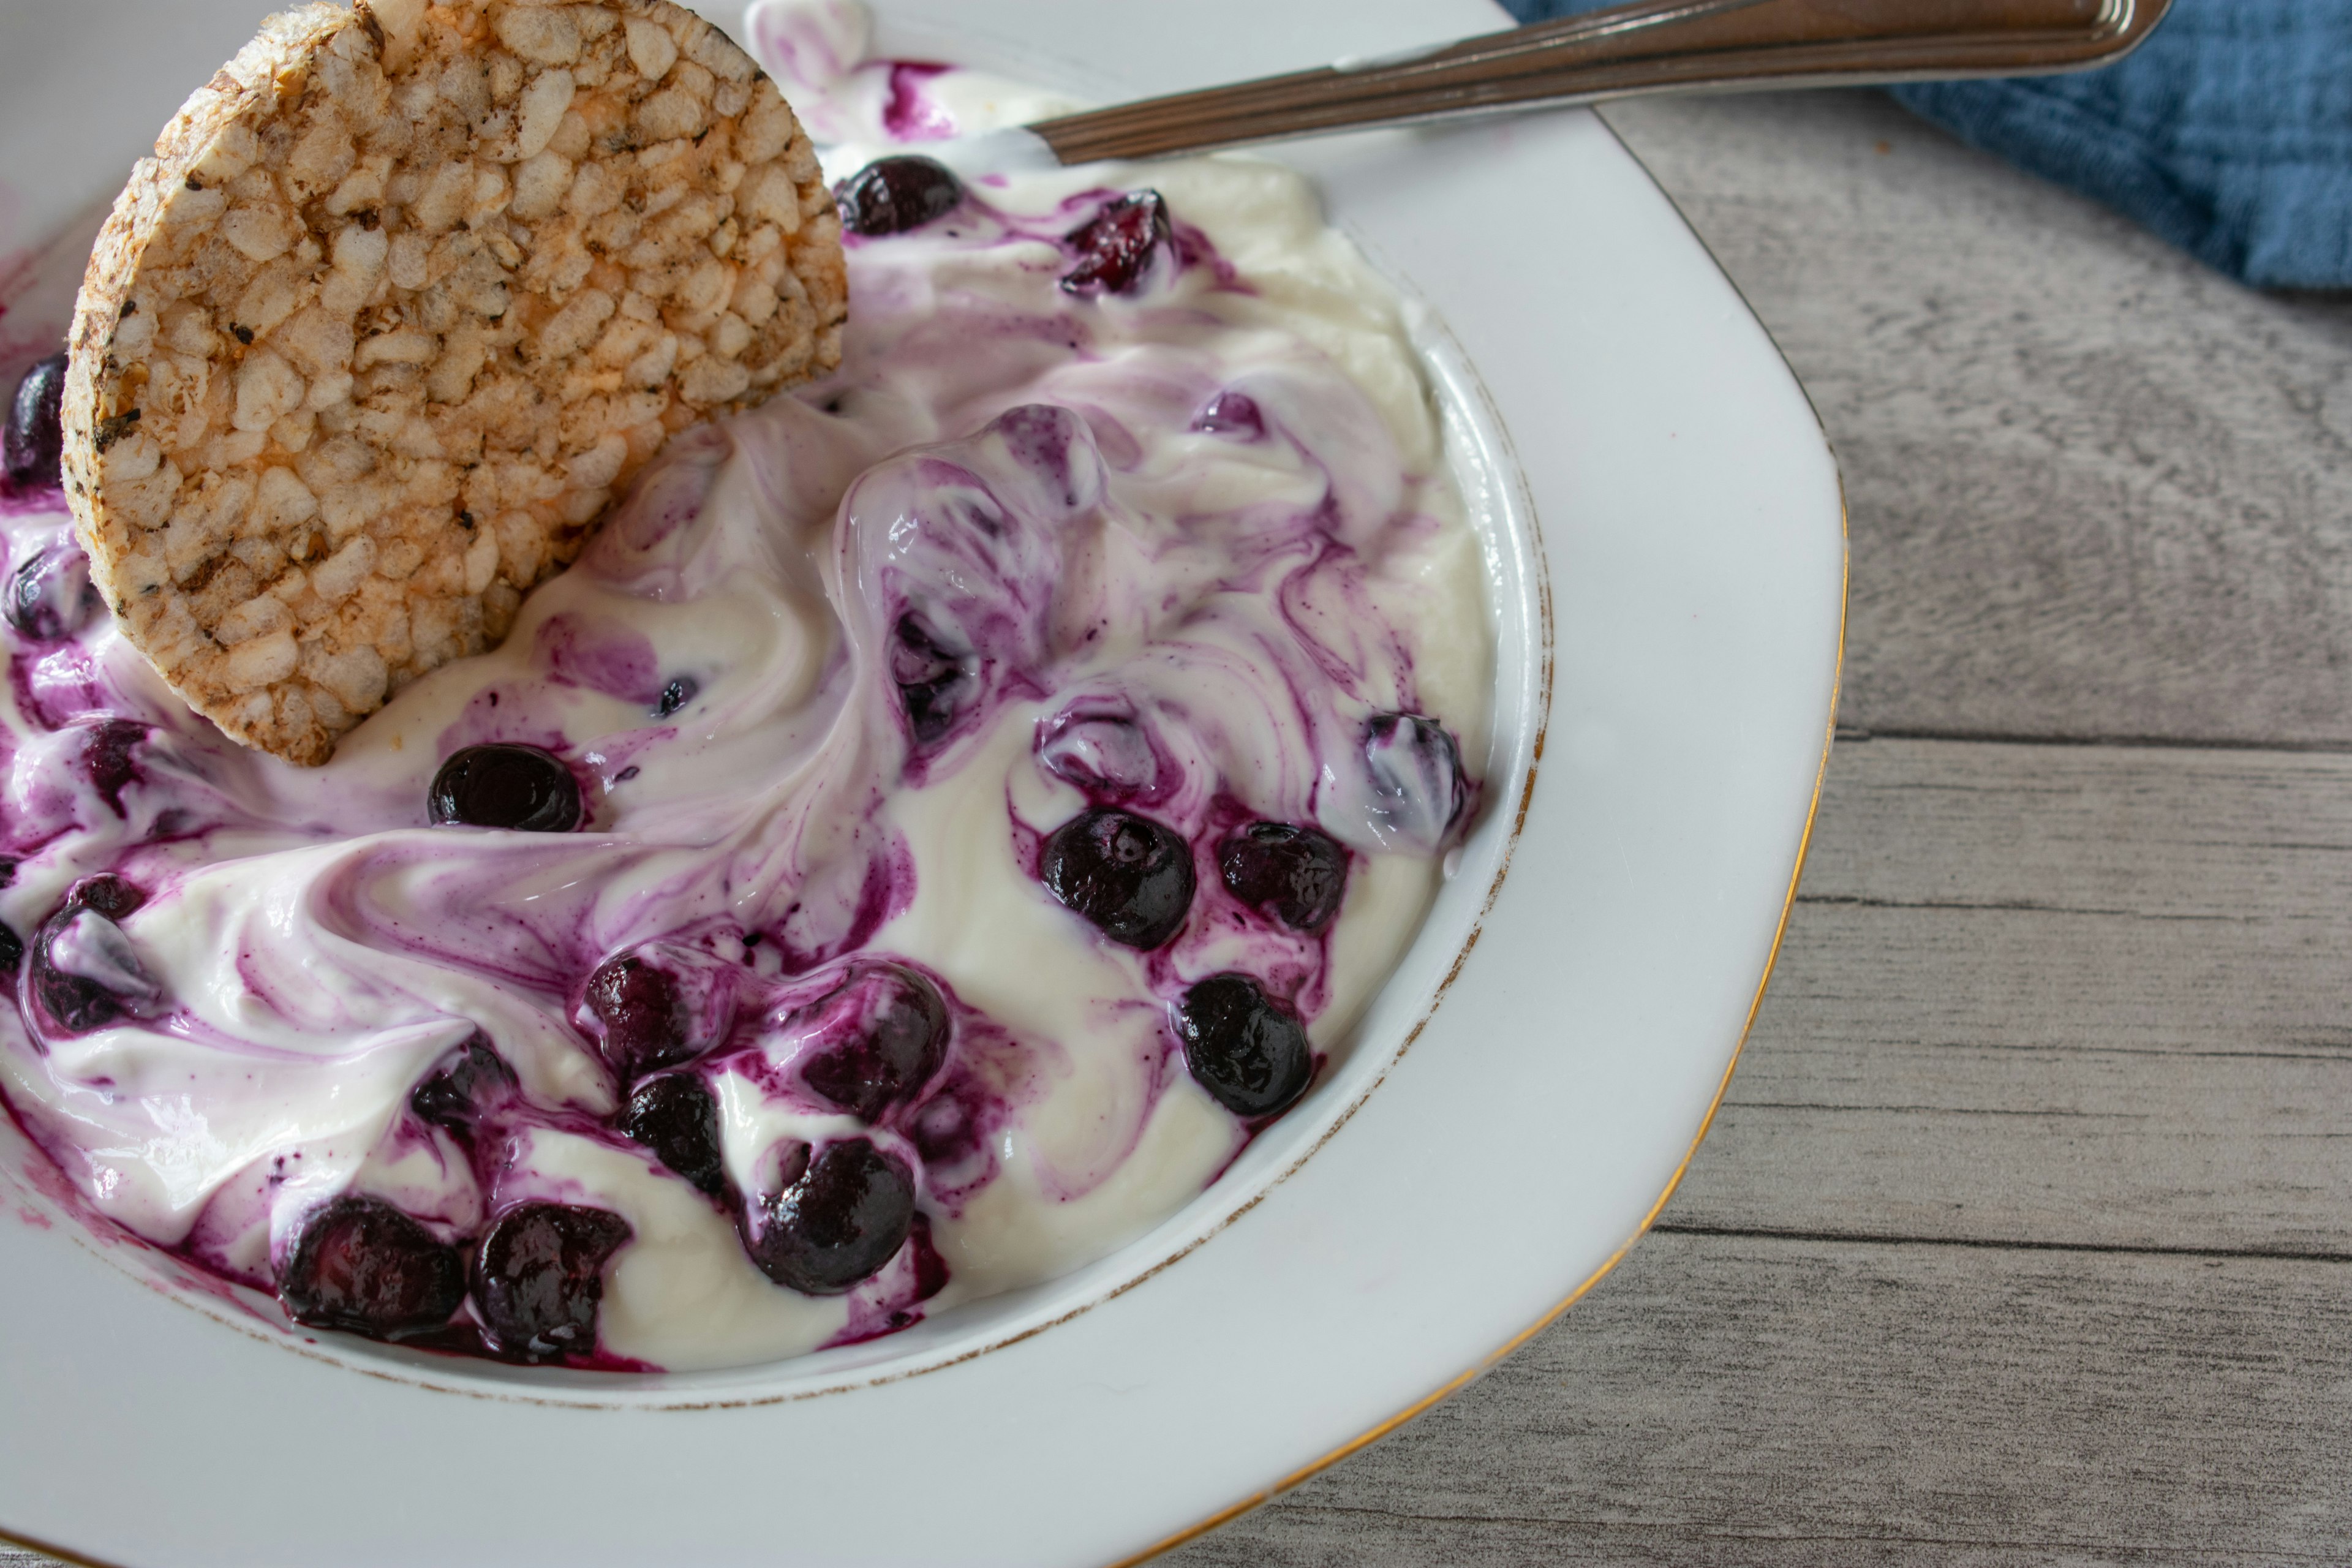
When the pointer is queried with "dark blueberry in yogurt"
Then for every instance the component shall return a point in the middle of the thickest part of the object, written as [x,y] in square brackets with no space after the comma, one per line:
[838,1218]
[34,447]
[1128,874]
[1248,1052]
[930,678]
[1117,244]
[677,695]
[49,597]
[647,1024]
[469,1081]
[1233,414]
[361,1265]
[1416,774]
[891,195]
[106,893]
[673,1115]
[539,1276]
[656,1005]
[86,975]
[12,951]
[519,787]
[1294,874]
[105,757]
[883,1036]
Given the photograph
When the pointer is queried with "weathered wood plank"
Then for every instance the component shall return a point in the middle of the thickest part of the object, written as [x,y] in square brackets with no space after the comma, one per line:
[2172,836]
[2096,490]
[1775,1402]
[2184,1152]
[2067,995]
[2091,996]
[2080,997]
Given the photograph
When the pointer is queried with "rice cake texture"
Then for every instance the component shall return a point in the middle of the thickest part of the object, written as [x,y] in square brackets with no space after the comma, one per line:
[406,296]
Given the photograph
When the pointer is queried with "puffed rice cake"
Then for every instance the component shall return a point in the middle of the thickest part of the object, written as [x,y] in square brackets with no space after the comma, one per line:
[408,293]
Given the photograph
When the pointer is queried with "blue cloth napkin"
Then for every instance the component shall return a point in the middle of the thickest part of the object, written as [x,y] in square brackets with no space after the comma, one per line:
[2229,133]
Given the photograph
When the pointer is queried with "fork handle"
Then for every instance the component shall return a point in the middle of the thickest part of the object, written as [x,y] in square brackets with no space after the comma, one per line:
[1651,47]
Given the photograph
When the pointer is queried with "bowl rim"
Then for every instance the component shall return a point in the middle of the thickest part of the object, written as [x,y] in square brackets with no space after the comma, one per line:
[1223,1215]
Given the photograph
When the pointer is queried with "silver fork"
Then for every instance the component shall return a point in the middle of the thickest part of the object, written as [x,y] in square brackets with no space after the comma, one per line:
[1651,47]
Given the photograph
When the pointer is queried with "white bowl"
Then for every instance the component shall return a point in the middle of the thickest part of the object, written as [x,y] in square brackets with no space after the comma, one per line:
[1668,561]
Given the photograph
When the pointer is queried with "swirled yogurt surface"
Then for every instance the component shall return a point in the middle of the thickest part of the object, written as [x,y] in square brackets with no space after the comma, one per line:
[829,683]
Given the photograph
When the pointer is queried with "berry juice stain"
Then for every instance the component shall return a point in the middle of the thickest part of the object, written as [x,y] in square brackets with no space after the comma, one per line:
[1123,591]
[912,114]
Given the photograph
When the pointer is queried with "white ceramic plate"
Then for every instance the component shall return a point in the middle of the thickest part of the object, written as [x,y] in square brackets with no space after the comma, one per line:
[1668,561]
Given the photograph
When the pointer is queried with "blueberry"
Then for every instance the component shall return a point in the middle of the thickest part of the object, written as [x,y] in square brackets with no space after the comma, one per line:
[106,893]
[888,1037]
[469,1081]
[1126,873]
[539,1276]
[1416,774]
[520,787]
[675,1116]
[49,597]
[1116,246]
[677,695]
[657,1005]
[1294,874]
[646,1023]
[891,195]
[839,1217]
[1231,414]
[12,951]
[86,975]
[35,442]
[361,1264]
[930,679]
[105,757]
[1248,1053]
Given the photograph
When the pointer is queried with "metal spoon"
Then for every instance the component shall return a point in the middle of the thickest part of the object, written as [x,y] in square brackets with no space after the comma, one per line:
[1651,47]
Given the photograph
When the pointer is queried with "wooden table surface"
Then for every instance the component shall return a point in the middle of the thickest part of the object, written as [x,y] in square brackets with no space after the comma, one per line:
[2023,1234]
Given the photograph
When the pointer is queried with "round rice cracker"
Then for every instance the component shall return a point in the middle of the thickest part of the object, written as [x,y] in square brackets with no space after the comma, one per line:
[406,296]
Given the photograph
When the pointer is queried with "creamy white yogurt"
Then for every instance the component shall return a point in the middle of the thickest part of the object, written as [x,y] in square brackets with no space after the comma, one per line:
[1197,574]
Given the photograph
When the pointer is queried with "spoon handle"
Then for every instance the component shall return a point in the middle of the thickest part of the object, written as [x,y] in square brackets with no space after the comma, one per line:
[1651,47]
